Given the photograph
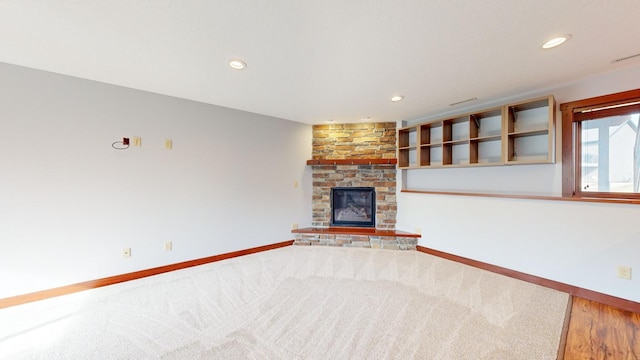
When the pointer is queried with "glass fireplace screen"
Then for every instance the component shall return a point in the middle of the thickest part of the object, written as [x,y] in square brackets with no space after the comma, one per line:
[353,206]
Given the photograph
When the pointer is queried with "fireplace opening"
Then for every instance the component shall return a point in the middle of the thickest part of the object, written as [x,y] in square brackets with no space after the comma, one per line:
[353,206]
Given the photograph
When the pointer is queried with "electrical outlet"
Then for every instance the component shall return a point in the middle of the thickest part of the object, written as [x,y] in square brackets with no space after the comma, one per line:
[125,141]
[418,230]
[168,246]
[126,253]
[624,272]
[137,141]
[294,226]
[168,144]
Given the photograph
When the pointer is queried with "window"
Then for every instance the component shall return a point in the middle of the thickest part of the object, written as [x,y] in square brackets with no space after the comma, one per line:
[601,146]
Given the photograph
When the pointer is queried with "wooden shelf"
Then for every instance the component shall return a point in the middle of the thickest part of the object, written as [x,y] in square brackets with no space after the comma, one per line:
[517,133]
[457,142]
[526,197]
[529,133]
[486,138]
[353,162]
[343,230]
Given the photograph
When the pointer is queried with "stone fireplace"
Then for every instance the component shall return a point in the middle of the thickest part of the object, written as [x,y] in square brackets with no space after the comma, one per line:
[381,177]
[354,156]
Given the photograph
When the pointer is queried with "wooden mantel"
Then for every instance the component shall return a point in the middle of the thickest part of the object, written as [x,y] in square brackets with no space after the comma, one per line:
[352,162]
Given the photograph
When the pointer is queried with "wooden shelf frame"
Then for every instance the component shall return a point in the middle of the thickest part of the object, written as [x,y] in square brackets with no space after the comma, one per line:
[512,134]
[352,162]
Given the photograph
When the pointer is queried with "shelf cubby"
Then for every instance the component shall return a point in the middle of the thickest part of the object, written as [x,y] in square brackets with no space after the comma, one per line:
[485,151]
[530,132]
[460,153]
[459,128]
[529,148]
[436,155]
[407,147]
[425,134]
[425,155]
[436,133]
[485,133]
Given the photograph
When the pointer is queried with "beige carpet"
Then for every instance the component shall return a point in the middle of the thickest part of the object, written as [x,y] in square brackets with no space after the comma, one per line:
[297,303]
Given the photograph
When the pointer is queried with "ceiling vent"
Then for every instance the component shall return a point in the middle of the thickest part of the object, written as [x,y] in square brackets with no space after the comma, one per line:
[463,101]
[625,58]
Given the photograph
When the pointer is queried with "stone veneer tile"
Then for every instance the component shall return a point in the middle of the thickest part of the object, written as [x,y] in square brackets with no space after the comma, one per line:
[381,177]
[354,141]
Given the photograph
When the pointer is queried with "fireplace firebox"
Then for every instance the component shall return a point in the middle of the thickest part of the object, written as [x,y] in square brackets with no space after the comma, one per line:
[353,206]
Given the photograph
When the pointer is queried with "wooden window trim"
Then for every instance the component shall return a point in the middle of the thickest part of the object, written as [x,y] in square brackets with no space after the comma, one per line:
[571,115]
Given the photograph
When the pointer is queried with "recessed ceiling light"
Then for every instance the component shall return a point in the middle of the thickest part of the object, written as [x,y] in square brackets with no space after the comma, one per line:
[556,41]
[237,64]
[397,98]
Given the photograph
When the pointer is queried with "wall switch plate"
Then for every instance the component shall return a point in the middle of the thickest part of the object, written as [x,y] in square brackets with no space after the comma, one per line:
[294,226]
[137,141]
[624,272]
[126,253]
[168,246]
[418,230]
[168,144]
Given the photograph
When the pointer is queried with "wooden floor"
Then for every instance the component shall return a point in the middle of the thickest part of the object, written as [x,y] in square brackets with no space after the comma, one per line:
[599,331]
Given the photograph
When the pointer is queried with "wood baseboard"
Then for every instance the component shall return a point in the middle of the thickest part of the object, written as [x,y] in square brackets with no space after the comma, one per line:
[613,301]
[92,284]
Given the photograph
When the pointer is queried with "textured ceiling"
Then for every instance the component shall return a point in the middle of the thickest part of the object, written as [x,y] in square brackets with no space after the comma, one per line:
[311,61]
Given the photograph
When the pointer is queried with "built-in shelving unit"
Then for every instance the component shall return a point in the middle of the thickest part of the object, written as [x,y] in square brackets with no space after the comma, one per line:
[519,133]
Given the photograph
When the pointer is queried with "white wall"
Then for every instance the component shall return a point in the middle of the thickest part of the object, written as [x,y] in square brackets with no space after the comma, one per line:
[69,203]
[577,243]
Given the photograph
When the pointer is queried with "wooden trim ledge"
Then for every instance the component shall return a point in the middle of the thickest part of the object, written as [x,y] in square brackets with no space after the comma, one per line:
[353,162]
[613,301]
[526,197]
[92,284]
[344,230]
